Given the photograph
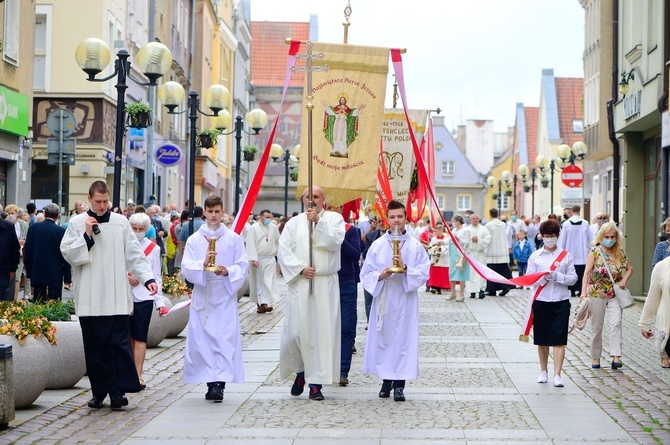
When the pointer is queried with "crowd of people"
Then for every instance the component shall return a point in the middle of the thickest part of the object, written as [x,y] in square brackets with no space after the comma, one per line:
[391,257]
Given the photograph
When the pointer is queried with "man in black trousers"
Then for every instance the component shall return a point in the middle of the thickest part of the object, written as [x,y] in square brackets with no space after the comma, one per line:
[45,265]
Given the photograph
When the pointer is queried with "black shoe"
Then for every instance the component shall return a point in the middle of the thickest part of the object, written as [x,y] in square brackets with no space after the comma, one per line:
[353,349]
[315,393]
[344,380]
[398,394]
[118,401]
[616,365]
[96,402]
[439,292]
[505,292]
[208,394]
[298,386]
[216,392]
[473,295]
[385,392]
[433,291]
[482,295]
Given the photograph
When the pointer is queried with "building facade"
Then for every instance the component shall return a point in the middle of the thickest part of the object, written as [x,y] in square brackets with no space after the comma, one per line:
[17,47]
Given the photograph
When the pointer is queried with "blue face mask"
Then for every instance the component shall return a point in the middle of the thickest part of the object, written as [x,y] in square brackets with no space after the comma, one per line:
[467,220]
[513,218]
[267,222]
[609,243]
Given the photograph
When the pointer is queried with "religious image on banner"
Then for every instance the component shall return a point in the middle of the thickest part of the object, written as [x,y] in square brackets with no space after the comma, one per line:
[340,125]
[397,148]
[348,103]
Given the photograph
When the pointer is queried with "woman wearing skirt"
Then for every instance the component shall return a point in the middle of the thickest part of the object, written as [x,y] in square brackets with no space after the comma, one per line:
[551,305]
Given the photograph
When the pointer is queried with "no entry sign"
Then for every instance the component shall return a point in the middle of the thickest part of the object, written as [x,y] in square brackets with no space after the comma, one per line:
[572,176]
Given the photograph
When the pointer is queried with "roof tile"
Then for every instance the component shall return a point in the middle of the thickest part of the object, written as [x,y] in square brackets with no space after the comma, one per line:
[269,52]
[569,97]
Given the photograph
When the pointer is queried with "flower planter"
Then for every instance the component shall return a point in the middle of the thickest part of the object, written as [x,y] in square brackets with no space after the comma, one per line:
[205,141]
[141,119]
[178,320]
[68,363]
[526,188]
[159,326]
[508,193]
[248,156]
[32,365]
[544,183]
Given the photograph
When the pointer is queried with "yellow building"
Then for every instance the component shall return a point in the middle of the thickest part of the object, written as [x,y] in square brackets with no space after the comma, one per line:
[499,192]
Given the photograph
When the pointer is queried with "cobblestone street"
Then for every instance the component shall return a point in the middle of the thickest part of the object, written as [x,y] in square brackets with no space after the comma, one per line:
[477,385]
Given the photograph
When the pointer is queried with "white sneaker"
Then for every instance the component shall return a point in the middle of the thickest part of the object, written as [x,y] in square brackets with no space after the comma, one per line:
[558,381]
[543,377]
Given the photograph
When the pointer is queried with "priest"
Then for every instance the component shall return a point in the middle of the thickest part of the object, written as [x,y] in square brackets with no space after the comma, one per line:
[262,242]
[310,342]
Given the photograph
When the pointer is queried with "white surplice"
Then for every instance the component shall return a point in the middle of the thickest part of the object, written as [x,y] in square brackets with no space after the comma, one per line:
[213,343]
[311,336]
[477,283]
[262,243]
[392,345]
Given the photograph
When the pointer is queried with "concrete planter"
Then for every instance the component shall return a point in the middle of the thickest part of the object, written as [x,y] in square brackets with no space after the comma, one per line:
[178,320]
[159,326]
[68,363]
[32,365]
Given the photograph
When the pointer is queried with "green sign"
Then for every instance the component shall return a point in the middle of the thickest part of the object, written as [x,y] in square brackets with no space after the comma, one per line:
[14,109]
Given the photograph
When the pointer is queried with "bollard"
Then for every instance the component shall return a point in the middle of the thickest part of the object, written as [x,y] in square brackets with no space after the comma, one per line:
[6,386]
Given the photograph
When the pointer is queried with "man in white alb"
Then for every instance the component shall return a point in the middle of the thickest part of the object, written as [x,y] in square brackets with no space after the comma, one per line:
[262,243]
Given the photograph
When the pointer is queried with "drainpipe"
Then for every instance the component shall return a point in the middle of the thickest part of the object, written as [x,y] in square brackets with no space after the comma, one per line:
[663,108]
[616,156]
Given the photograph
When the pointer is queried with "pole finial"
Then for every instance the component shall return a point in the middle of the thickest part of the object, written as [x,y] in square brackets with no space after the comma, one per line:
[346,23]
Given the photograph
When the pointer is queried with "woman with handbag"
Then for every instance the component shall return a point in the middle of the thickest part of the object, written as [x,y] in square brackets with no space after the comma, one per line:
[459,269]
[658,303]
[607,266]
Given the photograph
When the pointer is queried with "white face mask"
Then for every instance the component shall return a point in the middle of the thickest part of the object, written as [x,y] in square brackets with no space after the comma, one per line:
[140,235]
[550,242]
[11,218]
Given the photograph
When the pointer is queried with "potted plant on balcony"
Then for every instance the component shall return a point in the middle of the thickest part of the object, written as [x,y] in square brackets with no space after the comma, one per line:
[508,192]
[526,187]
[30,334]
[544,181]
[139,115]
[249,152]
[207,138]
[495,196]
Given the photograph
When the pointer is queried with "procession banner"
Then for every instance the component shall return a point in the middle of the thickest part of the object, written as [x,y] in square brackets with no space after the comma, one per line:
[397,148]
[347,121]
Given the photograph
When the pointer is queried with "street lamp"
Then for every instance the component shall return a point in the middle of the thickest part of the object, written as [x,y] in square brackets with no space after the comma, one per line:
[171,94]
[153,59]
[566,156]
[524,172]
[257,119]
[491,181]
[276,152]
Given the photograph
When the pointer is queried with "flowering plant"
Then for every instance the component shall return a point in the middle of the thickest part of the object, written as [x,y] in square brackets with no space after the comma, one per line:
[21,319]
[174,287]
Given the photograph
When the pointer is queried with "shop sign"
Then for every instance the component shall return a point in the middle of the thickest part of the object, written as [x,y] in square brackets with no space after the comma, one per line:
[13,112]
[168,155]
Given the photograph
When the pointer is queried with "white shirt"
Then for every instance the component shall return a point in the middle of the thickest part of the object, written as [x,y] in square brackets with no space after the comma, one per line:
[563,276]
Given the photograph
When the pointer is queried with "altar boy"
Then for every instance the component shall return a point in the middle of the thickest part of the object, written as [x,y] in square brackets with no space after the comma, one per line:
[392,347]
[213,345]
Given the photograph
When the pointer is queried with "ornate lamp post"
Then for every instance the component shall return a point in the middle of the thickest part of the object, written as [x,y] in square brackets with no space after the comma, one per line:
[524,172]
[171,94]
[276,152]
[257,119]
[566,156]
[491,181]
[153,59]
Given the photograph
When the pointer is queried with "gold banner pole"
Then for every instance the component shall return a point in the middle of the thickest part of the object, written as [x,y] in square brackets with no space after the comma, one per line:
[309,68]
[346,24]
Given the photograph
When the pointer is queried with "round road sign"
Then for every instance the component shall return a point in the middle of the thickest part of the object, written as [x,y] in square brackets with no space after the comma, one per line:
[572,176]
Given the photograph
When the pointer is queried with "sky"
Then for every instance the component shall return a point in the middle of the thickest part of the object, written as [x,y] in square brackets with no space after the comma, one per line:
[474,59]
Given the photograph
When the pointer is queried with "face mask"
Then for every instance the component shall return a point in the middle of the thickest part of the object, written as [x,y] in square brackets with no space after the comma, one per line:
[267,222]
[140,235]
[609,243]
[513,218]
[11,218]
[565,216]
[467,220]
[550,242]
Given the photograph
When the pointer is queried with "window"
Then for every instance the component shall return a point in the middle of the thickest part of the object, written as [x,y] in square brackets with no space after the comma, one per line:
[448,168]
[577,126]
[463,202]
[440,201]
[10,51]
[40,72]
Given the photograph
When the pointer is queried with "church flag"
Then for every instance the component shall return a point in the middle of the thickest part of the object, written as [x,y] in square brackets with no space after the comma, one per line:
[347,121]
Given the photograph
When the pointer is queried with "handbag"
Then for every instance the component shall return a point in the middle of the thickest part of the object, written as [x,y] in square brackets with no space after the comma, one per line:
[460,261]
[582,314]
[623,296]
